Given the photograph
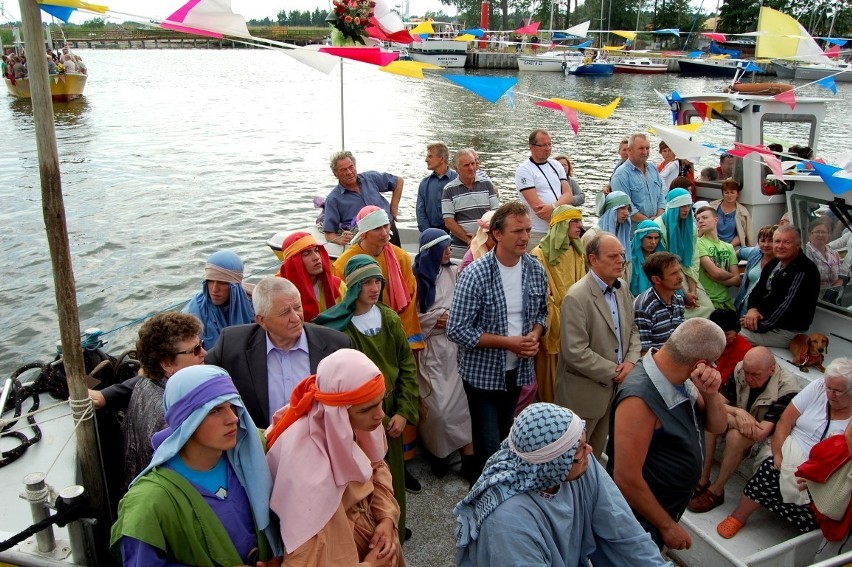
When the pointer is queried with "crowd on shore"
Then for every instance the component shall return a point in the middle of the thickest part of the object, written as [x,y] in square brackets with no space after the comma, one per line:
[271,424]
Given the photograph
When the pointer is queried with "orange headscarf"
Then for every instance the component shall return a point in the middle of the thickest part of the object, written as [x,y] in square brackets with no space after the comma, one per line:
[293,268]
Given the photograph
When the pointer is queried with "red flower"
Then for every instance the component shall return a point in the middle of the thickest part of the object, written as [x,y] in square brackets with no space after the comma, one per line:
[357,21]
[348,19]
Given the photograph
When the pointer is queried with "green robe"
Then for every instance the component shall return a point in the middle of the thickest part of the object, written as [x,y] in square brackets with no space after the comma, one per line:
[165,511]
[390,351]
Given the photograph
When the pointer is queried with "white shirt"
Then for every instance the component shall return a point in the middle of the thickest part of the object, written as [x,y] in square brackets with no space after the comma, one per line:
[512,278]
[547,179]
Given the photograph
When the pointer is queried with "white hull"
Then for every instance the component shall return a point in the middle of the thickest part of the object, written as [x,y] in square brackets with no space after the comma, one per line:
[443,52]
[541,63]
[449,60]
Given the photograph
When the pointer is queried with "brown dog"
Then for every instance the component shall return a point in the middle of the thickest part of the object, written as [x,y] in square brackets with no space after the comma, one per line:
[809,350]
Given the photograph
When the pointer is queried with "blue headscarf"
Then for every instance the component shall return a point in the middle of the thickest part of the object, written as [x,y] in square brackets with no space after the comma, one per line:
[608,217]
[639,282]
[538,454]
[680,234]
[190,395]
[427,265]
[223,266]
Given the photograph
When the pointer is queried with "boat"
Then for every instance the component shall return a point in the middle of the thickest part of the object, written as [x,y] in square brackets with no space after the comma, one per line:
[548,62]
[714,66]
[766,89]
[440,48]
[640,65]
[839,71]
[590,68]
[750,119]
[63,86]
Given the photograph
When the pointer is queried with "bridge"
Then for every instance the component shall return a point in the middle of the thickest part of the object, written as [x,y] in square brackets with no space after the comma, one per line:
[156,38]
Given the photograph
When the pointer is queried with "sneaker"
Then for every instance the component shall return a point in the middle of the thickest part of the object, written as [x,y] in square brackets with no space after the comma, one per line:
[412,485]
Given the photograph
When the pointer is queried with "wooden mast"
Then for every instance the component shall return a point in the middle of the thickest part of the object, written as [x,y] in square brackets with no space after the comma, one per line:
[53,209]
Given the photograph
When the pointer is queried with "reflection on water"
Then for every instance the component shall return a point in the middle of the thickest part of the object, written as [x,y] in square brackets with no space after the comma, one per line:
[172,155]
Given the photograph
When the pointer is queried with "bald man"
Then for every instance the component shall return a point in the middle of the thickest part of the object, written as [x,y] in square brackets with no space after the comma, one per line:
[754,400]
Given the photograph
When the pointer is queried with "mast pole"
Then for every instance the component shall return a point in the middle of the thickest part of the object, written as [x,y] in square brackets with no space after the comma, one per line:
[342,120]
[53,210]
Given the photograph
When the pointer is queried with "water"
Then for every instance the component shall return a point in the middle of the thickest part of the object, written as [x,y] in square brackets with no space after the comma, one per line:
[172,155]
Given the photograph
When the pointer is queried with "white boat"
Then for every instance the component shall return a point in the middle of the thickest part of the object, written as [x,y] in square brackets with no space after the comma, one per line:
[640,65]
[713,66]
[548,62]
[839,71]
[439,48]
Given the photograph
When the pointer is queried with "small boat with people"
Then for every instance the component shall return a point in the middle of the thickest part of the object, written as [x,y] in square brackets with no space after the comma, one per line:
[64,86]
[589,67]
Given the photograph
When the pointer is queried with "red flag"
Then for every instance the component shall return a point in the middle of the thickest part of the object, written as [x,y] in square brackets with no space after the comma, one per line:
[531,29]
[701,109]
[549,104]
[717,37]
[787,97]
[371,55]
[833,51]
[761,149]
[376,31]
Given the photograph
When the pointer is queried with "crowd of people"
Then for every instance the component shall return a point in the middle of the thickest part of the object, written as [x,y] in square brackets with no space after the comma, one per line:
[14,65]
[271,423]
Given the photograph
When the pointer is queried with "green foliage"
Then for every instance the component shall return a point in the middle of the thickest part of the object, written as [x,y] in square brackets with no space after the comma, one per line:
[299,18]
[265,22]
[94,24]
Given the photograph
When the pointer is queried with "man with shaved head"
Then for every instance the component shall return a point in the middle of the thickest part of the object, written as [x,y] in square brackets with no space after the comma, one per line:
[754,400]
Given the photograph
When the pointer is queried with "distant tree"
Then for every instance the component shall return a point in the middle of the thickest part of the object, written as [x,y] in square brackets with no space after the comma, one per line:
[281,18]
[438,16]
[94,23]
[740,16]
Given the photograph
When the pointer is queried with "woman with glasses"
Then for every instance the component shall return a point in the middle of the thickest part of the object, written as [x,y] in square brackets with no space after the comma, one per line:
[826,259]
[756,260]
[167,342]
[823,408]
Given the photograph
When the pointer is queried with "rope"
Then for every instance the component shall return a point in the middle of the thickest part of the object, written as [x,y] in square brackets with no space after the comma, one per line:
[82,410]
[65,513]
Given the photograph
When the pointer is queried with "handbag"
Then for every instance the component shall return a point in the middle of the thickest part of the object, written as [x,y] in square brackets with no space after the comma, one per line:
[828,472]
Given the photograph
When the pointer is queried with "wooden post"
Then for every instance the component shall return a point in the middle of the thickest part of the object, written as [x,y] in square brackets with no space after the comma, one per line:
[53,209]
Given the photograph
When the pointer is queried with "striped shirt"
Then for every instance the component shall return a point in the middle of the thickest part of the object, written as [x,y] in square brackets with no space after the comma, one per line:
[656,319]
[466,206]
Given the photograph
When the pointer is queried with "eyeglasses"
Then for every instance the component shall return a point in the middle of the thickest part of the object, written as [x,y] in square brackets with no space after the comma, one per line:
[543,145]
[194,351]
[835,391]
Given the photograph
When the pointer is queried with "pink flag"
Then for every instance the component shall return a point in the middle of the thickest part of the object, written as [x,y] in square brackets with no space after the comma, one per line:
[531,29]
[371,55]
[212,18]
[549,104]
[761,149]
[833,51]
[774,164]
[739,152]
[717,37]
[571,115]
[787,97]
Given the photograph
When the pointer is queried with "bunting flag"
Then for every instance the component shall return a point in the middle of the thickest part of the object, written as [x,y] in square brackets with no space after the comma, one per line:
[74,5]
[692,127]
[489,88]
[668,101]
[774,163]
[834,177]
[752,68]
[211,18]
[625,34]
[828,83]
[717,37]
[510,96]
[570,113]
[423,28]
[788,98]
[376,31]
[58,12]
[695,54]
[835,41]
[464,37]
[530,29]
[614,47]
[413,69]
[386,18]
[833,51]
[371,55]
[680,144]
[701,109]
[583,45]
[322,62]
[475,32]
[596,110]
[761,149]
[580,30]
[672,31]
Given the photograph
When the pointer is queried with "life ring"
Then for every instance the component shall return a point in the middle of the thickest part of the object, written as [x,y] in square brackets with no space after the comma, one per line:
[768,89]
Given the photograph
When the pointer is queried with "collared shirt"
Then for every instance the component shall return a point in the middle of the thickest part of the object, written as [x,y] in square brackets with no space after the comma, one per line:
[479,306]
[429,200]
[612,302]
[284,370]
[645,191]
[655,318]
[466,205]
[672,395]
[342,205]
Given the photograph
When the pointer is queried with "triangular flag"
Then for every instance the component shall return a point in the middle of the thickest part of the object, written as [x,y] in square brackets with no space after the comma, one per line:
[714,107]
[510,97]
[835,41]
[549,104]
[211,18]
[475,32]
[386,18]
[681,146]
[78,4]
[625,34]
[489,88]
[530,29]
[761,149]
[828,83]
[371,55]
[787,97]
[739,152]
[571,115]
[752,68]
[701,109]
[464,37]
[413,69]
[322,62]
[423,28]
[596,110]
[58,12]
[833,51]
[717,37]
[695,54]
[672,31]
[837,184]
[376,31]
[774,164]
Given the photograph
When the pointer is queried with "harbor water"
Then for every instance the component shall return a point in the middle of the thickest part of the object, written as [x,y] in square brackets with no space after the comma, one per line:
[174,154]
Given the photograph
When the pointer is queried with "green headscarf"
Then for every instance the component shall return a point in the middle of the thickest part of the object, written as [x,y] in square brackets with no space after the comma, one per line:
[359,268]
[556,241]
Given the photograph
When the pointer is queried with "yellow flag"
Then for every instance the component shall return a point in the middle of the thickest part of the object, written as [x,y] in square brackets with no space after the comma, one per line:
[76,4]
[614,47]
[465,37]
[625,34]
[425,27]
[711,106]
[691,127]
[413,69]
[596,110]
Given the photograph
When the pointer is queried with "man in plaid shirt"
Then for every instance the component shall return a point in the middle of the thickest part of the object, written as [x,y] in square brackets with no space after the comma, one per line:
[498,316]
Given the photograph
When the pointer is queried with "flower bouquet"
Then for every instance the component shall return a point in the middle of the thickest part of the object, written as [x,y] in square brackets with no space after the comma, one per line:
[350,19]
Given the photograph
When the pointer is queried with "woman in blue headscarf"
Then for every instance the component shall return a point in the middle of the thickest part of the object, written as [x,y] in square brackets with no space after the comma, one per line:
[222,301]
[614,217]
[204,499]
[678,236]
[646,240]
[444,419]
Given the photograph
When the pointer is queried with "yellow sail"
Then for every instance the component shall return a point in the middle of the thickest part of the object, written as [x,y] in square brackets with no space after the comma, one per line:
[780,36]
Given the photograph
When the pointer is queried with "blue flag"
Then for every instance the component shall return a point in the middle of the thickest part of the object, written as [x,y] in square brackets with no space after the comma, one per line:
[475,32]
[751,67]
[828,83]
[837,185]
[58,12]
[695,54]
[489,88]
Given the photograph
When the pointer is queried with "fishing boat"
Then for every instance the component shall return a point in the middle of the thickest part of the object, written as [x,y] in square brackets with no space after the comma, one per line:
[63,86]
[640,65]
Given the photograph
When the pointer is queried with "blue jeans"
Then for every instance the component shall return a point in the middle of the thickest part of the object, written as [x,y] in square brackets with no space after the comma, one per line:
[491,415]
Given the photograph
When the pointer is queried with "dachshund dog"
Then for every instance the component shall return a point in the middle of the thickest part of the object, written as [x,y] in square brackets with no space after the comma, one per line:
[809,350]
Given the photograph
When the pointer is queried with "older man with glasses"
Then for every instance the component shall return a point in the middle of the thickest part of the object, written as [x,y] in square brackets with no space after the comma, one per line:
[542,185]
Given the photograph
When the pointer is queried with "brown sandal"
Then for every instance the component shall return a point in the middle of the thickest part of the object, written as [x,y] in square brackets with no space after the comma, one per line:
[700,489]
[729,527]
[705,502]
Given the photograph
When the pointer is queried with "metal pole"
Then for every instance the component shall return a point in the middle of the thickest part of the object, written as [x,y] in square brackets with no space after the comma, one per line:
[37,495]
[53,209]
[342,120]
[76,529]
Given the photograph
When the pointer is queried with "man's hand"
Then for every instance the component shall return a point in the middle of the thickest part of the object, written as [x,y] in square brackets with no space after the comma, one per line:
[98,400]
[621,371]
[706,378]
[395,426]
[525,346]
[441,323]
[675,537]
[544,211]
[690,300]
[752,319]
[746,424]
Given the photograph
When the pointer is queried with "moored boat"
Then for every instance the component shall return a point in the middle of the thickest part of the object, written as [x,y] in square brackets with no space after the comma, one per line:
[549,61]
[444,52]
[63,86]
[839,71]
[640,65]
[714,67]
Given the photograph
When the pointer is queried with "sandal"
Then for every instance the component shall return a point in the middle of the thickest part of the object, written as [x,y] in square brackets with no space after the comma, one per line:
[729,527]
[700,489]
[705,502]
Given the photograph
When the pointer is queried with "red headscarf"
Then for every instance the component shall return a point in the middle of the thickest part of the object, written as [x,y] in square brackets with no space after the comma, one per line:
[293,268]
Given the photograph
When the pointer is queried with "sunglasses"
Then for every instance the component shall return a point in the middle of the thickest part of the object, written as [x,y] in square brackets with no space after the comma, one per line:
[194,351]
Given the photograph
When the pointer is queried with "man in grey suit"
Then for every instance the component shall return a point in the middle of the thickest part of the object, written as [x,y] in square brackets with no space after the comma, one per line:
[600,340]
[268,358]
